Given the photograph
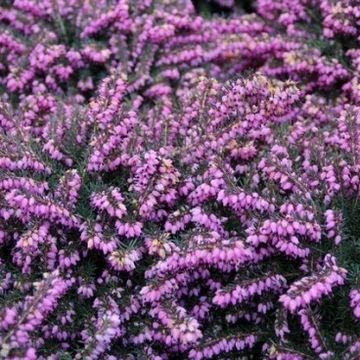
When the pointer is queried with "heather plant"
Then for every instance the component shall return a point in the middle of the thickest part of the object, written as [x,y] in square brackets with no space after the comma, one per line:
[176,184]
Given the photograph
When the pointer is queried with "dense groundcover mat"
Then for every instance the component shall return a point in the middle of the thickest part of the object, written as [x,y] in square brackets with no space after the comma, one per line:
[179,180]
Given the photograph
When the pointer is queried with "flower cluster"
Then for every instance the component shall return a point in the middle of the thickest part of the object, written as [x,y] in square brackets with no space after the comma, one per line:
[312,288]
[355,302]
[179,185]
